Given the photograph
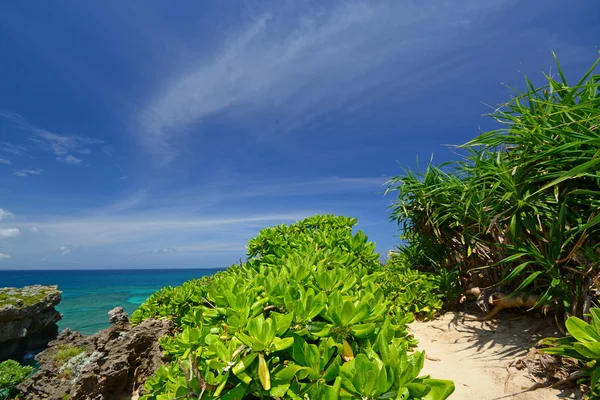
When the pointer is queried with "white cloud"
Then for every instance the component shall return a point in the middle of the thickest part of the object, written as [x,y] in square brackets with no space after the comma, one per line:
[13,149]
[204,247]
[5,161]
[185,221]
[309,66]
[69,159]
[165,250]
[9,232]
[34,229]
[306,188]
[133,229]
[212,247]
[5,214]
[231,191]
[4,256]
[59,144]
[26,172]
[64,250]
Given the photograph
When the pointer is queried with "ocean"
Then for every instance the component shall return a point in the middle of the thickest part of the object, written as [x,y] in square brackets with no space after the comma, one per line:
[87,296]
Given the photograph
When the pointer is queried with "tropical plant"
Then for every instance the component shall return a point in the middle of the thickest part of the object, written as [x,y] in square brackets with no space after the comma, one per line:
[305,317]
[583,344]
[522,209]
[11,374]
[412,290]
[173,303]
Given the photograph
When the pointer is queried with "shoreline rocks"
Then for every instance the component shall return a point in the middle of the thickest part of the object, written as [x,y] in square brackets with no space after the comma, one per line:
[111,364]
[27,319]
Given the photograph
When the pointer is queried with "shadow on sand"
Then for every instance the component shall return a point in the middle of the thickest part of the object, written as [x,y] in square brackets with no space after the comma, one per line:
[508,337]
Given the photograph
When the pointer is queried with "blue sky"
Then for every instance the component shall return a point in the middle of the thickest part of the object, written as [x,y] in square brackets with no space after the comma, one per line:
[166,134]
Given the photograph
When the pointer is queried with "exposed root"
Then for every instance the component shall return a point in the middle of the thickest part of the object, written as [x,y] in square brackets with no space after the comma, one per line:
[547,371]
[501,301]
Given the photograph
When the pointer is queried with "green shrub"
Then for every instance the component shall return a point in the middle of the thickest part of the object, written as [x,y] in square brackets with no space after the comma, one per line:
[11,374]
[583,344]
[65,352]
[412,290]
[172,303]
[522,209]
[304,317]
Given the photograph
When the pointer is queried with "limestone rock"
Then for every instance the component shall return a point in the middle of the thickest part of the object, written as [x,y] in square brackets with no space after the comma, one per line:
[27,319]
[113,364]
[118,316]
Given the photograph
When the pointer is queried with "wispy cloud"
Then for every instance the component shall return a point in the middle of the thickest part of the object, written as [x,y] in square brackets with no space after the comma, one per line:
[211,247]
[4,256]
[69,159]
[232,191]
[13,149]
[181,222]
[64,250]
[26,172]
[60,145]
[5,214]
[165,250]
[5,161]
[204,247]
[9,232]
[97,231]
[308,66]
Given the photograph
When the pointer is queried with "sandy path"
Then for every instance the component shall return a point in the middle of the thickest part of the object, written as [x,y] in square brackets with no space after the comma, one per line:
[476,356]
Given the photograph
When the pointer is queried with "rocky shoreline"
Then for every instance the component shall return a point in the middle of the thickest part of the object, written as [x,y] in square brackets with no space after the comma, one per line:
[112,364]
[28,319]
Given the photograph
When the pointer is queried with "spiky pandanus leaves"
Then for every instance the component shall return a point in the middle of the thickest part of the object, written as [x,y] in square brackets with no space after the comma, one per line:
[523,208]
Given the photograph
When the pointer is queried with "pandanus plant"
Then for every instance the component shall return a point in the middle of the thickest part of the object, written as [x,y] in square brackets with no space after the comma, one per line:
[522,209]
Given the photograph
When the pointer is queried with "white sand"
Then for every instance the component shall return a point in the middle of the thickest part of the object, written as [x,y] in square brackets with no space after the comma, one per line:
[476,356]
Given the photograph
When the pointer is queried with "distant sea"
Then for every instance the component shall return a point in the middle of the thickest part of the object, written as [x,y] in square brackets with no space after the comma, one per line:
[87,296]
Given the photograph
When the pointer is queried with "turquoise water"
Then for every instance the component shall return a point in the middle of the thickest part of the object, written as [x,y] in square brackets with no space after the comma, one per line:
[87,296]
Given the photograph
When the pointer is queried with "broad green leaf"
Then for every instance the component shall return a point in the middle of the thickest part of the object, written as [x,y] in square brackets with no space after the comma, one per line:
[577,328]
[440,389]
[282,344]
[263,372]
[236,393]
[244,363]
[590,350]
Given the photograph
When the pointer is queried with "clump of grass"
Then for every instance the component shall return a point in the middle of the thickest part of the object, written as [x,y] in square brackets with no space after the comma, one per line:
[20,298]
[66,373]
[65,353]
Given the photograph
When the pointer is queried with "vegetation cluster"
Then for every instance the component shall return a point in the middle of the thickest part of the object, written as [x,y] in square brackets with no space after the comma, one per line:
[314,314]
[308,316]
[521,211]
[11,374]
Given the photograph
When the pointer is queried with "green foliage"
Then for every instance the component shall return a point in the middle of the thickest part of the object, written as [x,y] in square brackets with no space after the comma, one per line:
[65,353]
[11,374]
[582,345]
[304,317]
[20,298]
[522,209]
[412,290]
[173,303]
